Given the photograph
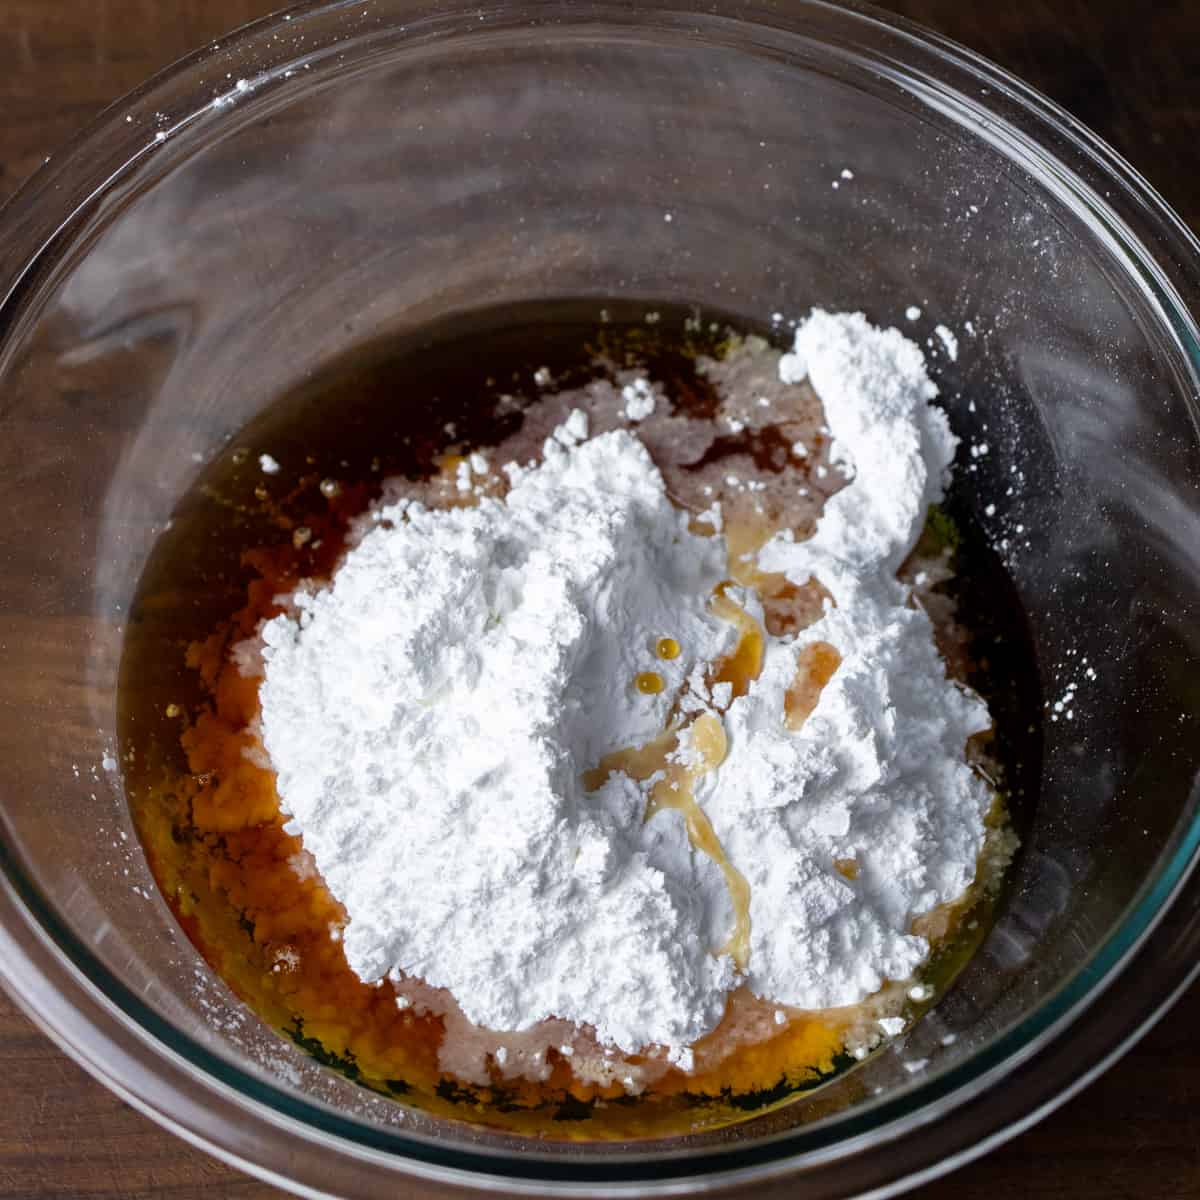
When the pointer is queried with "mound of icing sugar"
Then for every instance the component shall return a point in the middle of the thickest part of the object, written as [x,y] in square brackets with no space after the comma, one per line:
[431,713]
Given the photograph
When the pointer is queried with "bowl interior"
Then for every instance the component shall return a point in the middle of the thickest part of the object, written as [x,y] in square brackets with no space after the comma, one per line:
[360,179]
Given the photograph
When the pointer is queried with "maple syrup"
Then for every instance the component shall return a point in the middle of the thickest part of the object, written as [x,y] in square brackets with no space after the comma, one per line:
[412,408]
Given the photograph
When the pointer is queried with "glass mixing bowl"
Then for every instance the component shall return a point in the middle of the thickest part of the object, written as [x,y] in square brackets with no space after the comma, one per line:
[350,171]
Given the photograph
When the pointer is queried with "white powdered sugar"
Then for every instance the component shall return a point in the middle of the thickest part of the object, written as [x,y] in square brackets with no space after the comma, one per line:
[430,716]
[877,774]
[432,712]
[639,398]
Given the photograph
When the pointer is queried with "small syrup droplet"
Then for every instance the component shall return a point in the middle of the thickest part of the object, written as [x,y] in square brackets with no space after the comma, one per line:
[667,648]
[649,683]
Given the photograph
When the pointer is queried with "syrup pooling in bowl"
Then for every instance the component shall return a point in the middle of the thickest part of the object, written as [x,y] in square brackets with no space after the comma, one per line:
[207,809]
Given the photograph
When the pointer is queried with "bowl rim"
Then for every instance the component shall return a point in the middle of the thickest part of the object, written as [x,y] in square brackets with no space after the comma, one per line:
[135,1052]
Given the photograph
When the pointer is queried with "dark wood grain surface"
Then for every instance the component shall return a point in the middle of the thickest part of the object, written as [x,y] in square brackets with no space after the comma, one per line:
[1130,71]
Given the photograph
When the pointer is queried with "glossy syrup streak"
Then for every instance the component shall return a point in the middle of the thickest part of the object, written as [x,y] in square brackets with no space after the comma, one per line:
[396,409]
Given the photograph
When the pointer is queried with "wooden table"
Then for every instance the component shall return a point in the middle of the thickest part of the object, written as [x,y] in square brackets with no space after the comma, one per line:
[1132,72]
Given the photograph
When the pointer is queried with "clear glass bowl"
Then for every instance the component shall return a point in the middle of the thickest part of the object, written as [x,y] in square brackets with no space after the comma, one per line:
[349,171]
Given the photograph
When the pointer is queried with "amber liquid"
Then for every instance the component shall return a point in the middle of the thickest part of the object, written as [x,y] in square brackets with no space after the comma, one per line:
[218,850]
